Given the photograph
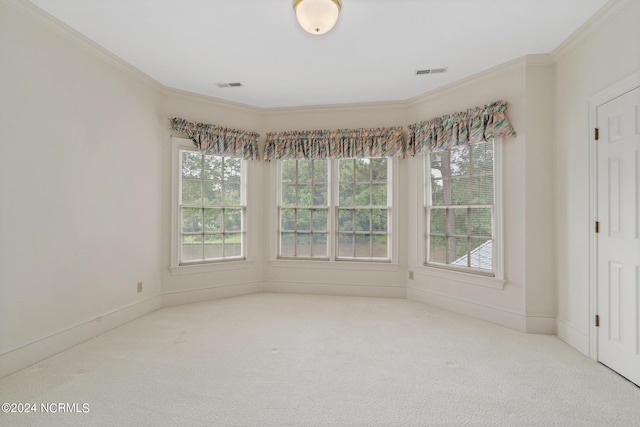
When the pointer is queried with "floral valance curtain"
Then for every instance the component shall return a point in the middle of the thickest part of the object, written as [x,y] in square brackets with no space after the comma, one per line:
[219,141]
[467,127]
[341,143]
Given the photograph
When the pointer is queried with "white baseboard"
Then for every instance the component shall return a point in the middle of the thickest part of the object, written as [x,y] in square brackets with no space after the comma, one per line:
[34,352]
[537,324]
[214,292]
[338,289]
[573,336]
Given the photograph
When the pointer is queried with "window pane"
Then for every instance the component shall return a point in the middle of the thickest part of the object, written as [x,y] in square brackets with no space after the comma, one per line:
[346,171]
[320,171]
[460,161]
[438,191]
[288,170]
[212,193]
[346,195]
[438,221]
[191,192]
[212,220]
[320,195]
[191,164]
[232,220]
[303,245]
[379,219]
[213,246]
[320,245]
[438,249]
[232,169]
[461,221]
[212,167]
[481,254]
[436,165]
[304,220]
[363,170]
[459,191]
[481,222]
[288,219]
[482,190]
[482,157]
[287,244]
[379,194]
[345,219]
[363,220]
[288,194]
[232,244]
[319,220]
[231,194]
[379,170]
[305,198]
[304,171]
[345,245]
[363,195]
[363,245]
[461,251]
[191,220]
[379,249]
[191,248]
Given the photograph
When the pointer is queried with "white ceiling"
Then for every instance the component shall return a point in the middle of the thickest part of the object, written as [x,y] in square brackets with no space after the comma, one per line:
[371,55]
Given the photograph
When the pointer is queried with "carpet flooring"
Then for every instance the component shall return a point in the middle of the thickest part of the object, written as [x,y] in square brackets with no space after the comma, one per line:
[305,360]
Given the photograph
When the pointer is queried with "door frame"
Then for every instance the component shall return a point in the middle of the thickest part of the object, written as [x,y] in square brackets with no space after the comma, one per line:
[617,89]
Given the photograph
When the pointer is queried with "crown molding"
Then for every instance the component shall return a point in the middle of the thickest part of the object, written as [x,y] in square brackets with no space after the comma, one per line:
[507,67]
[305,109]
[610,9]
[193,96]
[60,28]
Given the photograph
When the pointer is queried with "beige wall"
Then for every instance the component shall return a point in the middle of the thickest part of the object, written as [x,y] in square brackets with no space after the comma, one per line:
[80,200]
[607,52]
[527,300]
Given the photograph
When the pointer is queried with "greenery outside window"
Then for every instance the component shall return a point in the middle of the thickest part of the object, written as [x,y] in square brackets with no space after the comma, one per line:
[335,209]
[211,208]
[304,210]
[363,209]
[460,208]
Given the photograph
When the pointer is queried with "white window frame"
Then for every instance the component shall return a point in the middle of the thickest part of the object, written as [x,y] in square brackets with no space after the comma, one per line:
[389,263]
[296,207]
[335,207]
[468,275]
[176,267]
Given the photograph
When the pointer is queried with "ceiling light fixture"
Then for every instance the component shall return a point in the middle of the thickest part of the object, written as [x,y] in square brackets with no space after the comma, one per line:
[317,16]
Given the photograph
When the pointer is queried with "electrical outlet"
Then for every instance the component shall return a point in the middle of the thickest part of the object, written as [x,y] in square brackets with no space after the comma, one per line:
[139,286]
[410,275]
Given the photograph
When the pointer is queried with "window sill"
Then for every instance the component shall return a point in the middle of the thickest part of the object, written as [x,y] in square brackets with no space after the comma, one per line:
[461,277]
[334,265]
[211,267]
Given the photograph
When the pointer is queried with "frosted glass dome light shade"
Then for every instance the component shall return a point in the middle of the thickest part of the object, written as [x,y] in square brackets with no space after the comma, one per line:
[317,16]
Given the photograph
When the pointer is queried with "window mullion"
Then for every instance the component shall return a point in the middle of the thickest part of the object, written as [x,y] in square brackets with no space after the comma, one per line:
[353,216]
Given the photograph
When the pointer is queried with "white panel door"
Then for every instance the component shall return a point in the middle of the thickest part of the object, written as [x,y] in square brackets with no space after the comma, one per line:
[619,236]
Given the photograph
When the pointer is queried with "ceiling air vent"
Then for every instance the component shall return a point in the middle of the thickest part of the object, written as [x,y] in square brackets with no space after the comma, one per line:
[431,71]
[229,84]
